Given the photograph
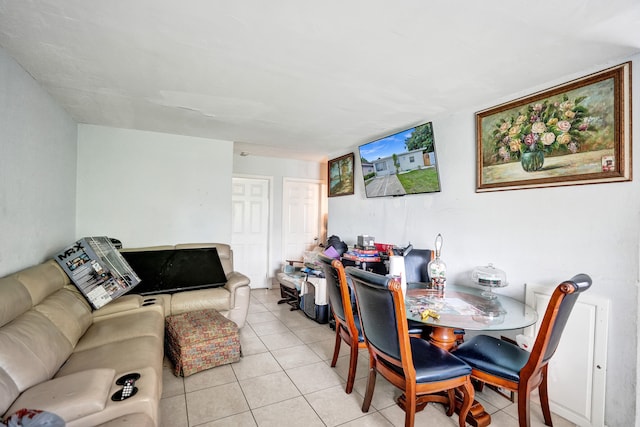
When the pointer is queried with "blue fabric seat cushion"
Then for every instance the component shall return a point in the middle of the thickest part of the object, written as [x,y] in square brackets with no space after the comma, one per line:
[433,364]
[493,356]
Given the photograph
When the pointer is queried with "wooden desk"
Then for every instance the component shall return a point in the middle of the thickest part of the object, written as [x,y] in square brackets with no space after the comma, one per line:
[462,307]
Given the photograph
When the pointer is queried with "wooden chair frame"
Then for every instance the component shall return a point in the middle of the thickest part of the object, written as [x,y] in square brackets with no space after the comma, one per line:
[346,329]
[534,373]
[415,395]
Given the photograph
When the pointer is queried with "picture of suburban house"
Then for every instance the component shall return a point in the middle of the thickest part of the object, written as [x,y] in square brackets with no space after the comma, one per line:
[367,168]
[408,161]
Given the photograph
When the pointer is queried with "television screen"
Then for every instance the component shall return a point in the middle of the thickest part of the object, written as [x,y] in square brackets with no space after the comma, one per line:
[169,271]
[402,163]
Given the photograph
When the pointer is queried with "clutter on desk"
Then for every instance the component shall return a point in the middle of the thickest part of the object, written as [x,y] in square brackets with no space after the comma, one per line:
[366,242]
[383,247]
[311,265]
[362,255]
[331,252]
[429,313]
[337,243]
[397,269]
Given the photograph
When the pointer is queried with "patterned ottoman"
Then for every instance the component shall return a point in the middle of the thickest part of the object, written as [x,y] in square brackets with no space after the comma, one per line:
[200,340]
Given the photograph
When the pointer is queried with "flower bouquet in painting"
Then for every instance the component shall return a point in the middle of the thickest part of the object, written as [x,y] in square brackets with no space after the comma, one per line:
[541,128]
[577,132]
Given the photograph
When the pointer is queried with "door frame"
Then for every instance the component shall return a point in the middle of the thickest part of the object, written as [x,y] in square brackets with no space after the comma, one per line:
[270,221]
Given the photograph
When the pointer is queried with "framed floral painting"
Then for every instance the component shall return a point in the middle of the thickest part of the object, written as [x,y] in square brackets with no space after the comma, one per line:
[341,175]
[575,133]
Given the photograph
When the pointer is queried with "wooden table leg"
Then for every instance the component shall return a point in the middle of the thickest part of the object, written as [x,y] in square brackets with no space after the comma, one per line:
[477,416]
[444,338]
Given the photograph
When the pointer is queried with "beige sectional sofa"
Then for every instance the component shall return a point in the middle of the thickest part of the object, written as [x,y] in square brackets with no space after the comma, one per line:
[58,355]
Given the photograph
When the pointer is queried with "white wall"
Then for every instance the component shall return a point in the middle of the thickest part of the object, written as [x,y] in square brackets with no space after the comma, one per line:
[37,171]
[277,169]
[540,236]
[148,188]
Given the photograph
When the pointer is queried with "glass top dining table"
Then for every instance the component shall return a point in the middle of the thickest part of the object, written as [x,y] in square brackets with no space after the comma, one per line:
[463,307]
[469,308]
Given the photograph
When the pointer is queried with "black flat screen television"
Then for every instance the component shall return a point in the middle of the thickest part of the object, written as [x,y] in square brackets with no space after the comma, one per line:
[400,164]
[169,271]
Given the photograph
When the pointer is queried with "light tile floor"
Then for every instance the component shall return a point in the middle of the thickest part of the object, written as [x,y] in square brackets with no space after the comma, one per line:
[284,379]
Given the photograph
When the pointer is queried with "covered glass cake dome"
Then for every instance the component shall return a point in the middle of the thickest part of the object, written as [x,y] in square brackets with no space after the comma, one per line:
[490,277]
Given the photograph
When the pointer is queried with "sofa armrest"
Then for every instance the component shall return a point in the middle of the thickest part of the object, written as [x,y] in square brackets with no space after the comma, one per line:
[70,397]
[234,281]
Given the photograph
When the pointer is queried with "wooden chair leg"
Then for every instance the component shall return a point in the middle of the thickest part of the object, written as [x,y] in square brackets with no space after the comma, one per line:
[544,398]
[371,385]
[468,394]
[336,347]
[410,407]
[524,397]
[478,385]
[353,364]
[452,402]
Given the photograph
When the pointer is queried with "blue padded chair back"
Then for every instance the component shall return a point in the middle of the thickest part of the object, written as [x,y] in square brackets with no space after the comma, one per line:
[333,287]
[374,297]
[415,264]
[572,288]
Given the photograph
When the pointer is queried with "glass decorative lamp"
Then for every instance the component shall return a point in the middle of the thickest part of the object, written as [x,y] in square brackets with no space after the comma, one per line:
[437,268]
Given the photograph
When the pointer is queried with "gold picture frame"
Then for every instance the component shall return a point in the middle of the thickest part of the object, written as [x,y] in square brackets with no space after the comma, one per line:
[575,133]
[341,175]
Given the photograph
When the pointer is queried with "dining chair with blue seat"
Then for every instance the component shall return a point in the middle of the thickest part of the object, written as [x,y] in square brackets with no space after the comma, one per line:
[347,321]
[343,307]
[506,365]
[418,368]
[415,265]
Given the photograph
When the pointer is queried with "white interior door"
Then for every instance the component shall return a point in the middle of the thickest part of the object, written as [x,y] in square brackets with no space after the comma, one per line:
[250,228]
[301,216]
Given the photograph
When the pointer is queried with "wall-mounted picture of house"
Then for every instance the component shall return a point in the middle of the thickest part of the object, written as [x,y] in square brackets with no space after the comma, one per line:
[402,163]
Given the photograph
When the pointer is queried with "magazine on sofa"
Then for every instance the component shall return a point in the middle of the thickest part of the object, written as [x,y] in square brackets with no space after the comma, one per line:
[97,269]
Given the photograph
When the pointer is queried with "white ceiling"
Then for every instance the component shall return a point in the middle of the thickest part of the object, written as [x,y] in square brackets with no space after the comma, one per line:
[299,78]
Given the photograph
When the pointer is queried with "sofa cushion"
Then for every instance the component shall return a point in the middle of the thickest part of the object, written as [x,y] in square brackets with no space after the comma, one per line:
[33,349]
[8,391]
[218,299]
[70,315]
[140,323]
[124,357]
[42,280]
[14,299]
